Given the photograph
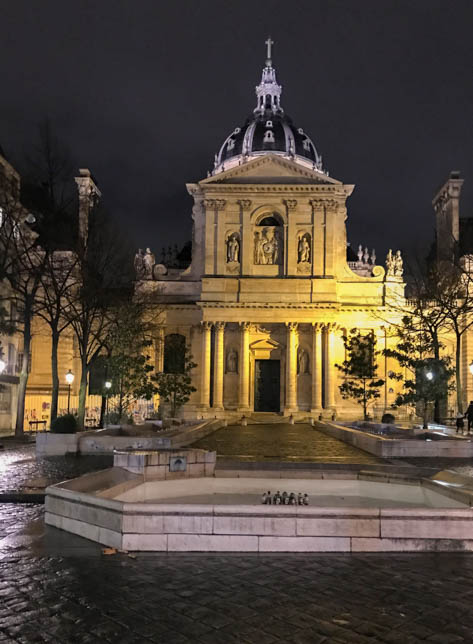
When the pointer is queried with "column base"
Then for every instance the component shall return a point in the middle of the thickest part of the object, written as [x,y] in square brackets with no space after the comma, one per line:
[244,409]
[289,410]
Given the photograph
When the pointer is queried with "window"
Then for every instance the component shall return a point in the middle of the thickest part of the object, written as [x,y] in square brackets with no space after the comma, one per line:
[174,353]
[306,144]
[269,124]
[268,137]
[270,220]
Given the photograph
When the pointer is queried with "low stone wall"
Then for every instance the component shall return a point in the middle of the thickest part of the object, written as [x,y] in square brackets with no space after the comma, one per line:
[106,441]
[167,464]
[385,447]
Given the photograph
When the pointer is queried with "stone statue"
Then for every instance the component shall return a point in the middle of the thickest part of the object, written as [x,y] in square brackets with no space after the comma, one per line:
[148,263]
[360,253]
[303,250]
[259,254]
[139,264]
[398,264]
[303,366]
[232,361]
[233,248]
[266,247]
[389,263]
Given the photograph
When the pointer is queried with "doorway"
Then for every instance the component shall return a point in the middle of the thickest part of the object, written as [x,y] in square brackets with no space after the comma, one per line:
[267,385]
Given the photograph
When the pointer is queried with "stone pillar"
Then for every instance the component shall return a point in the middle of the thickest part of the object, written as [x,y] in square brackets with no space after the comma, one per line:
[205,366]
[159,350]
[329,366]
[316,368]
[244,367]
[89,195]
[291,367]
[218,365]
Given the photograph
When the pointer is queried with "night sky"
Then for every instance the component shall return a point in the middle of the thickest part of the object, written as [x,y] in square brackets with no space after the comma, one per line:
[144,93]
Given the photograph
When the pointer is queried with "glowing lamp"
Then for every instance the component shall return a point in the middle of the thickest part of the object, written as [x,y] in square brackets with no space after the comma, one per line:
[429,375]
[69,377]
[3,364]
[108,384]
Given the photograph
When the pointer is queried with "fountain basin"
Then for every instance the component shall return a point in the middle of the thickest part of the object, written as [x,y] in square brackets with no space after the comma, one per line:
[349,512]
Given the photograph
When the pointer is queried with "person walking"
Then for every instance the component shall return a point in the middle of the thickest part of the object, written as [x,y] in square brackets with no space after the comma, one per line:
[469,415]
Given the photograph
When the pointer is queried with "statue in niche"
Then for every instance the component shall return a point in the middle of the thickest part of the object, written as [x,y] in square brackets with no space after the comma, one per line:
[303,249]
[266,247]
[148,263]
[139,264]
[303,365]
[232,361]
[233,248]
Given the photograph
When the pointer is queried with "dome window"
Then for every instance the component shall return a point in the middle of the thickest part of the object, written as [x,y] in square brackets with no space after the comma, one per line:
[237,130]
[268,137]
[269,124]
[231,144]
[300,130]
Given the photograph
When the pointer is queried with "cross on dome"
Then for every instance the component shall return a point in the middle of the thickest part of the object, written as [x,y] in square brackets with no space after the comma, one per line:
[268,42]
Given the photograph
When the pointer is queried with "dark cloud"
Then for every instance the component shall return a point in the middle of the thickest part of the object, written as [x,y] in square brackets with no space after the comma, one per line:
[145,92]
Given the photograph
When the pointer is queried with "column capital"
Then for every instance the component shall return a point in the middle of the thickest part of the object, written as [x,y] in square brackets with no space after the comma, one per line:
[292,326]
[290,203]
[244,203]
[317,327]
[245,326]
[331,326]
[219,326]
[220,204]
[205,325]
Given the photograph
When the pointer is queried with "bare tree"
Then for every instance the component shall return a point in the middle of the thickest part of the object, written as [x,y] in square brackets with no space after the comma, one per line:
[59,285]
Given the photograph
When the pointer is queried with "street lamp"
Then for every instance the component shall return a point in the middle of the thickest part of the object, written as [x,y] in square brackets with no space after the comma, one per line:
[69,380]
[108,386]
[3,365]
[429,375]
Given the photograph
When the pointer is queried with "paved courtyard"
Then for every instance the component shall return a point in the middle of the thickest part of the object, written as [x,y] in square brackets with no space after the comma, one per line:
[55,587]
[281,442]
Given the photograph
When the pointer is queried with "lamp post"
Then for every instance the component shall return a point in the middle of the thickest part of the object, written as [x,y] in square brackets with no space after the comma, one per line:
[69,380]
[108,386]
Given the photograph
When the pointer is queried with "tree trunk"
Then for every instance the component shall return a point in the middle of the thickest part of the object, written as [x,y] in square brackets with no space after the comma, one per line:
[82,394]
[55,376]
[20,409]
[458,374]
[102,411]
[438,397]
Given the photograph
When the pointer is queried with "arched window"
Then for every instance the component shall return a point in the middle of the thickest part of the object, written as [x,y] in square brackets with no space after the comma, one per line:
[174,353]
[268,137]
[270,220]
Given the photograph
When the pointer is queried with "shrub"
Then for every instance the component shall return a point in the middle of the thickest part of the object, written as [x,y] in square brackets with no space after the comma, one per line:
[114,418]
[66,424]
[388,418]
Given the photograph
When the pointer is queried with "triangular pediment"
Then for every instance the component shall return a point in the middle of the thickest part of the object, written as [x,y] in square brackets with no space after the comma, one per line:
[265,343]
[270,168]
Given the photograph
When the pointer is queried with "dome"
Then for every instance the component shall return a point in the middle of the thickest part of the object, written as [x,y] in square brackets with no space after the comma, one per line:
[267,130]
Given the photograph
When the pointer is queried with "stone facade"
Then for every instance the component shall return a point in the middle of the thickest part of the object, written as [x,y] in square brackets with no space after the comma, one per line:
[270,280]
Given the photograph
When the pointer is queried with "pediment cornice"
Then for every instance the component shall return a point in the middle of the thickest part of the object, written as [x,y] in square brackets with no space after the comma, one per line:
[251,168]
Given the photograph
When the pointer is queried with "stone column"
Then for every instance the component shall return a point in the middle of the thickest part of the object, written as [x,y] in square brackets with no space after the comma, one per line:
[205,366]
[218,365]
[159,350]
[291,367]
[316,368]
[329,366]
[244,367]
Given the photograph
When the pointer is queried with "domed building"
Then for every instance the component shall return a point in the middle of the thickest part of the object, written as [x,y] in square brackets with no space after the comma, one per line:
[270,291]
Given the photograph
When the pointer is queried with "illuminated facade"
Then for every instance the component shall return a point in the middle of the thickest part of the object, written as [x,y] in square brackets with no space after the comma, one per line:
[270,290]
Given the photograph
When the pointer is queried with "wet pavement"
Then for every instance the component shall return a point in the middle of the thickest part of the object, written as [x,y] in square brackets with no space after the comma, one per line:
[56,587]
[19,468]
[281,442]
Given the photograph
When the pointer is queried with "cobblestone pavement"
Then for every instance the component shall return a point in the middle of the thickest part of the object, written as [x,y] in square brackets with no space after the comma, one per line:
[19,467]
[282,442]
[55,587]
